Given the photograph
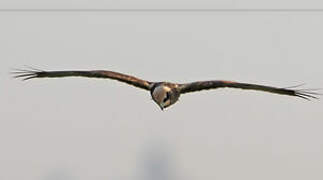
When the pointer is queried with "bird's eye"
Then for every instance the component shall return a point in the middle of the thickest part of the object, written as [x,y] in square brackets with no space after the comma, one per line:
[167,97]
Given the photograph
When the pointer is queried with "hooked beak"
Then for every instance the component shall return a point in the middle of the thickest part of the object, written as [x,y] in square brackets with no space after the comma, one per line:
[161,107]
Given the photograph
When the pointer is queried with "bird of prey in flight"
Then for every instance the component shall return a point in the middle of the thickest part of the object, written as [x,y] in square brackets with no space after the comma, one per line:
[165,93]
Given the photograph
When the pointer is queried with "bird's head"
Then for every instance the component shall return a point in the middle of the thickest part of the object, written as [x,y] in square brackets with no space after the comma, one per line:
[162,96]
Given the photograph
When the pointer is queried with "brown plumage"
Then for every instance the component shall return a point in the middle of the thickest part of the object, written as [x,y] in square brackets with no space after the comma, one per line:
[164,93]
[30,74]
[205,85]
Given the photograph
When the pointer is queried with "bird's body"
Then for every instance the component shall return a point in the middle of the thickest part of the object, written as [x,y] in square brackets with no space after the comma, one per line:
[164,94]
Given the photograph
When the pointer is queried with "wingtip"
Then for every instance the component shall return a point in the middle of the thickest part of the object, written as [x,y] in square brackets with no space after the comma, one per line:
[308,95]
[25,74]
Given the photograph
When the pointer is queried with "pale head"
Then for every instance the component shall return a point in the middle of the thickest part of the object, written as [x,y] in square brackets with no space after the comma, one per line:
[161,95]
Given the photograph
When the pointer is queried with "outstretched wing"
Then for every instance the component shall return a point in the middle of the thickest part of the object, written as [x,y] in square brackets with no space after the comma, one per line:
[205,85]
[35,73]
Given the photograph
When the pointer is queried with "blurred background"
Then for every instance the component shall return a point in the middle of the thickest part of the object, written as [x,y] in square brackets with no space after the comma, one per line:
[80,129]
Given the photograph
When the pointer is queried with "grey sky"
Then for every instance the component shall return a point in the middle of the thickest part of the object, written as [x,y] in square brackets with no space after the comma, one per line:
[161,4]
[99,129]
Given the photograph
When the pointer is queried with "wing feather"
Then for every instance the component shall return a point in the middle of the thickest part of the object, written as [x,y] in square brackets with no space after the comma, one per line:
[205,85]
[34,73]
